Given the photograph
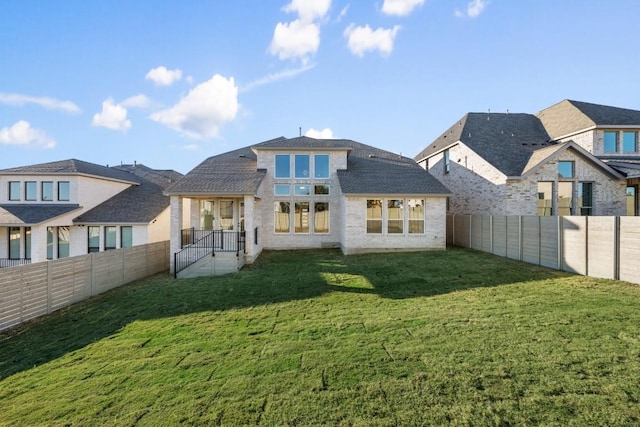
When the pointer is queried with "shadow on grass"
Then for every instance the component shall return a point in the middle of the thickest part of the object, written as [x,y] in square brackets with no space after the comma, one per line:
[276,277]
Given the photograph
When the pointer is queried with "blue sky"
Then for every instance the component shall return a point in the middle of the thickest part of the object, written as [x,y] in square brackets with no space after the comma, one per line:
[170,83]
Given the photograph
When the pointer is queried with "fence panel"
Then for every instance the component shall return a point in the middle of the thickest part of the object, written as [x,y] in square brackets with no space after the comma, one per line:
[549,256]
[499,237]
[461,230]
[602,247]
[476,232]
[630,249]
[486,233]
[574,244]
[29,291]
[531,239]
[513,237]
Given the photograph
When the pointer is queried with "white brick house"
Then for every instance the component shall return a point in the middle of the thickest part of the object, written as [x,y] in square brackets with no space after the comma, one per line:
[307,193]
[554,163]
[71,207]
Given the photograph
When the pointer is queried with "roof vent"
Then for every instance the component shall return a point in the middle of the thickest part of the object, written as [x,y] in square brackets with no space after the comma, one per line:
[242,156]
[372,156]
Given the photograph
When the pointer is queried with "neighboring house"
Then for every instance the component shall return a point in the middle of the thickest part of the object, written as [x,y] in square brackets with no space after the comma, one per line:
[307,193]
[573,158]
[71,207]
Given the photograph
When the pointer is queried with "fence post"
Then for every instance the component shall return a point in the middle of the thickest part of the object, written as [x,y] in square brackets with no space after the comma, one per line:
[586,245]
[616,248]
[560,228]
[49,274]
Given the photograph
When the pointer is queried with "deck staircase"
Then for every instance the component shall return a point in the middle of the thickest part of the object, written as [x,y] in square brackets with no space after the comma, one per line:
[209,253]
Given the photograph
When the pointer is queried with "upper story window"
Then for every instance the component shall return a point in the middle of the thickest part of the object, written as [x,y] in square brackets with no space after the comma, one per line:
[610,142]
[629,142]
[14,190]
[447,163]
[30,190]
[302,166]
[283,166]
[282,190]
[321,189]
[63,191]
[566,169]
[47,191]
[321,166]
[302,190]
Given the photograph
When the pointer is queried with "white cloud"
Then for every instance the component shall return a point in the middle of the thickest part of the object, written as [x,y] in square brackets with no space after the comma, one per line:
[309,10]
[202,112]
[363,39]
[271,78]
[21,133]
[49,103]
[400,7]
[343,13]
[113,116]
[474,8]
[161,76]
[136,101]
[295,39]
[325,133]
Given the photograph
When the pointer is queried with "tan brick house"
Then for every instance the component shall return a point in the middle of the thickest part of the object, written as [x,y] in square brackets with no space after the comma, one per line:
[573,158]
[297,193]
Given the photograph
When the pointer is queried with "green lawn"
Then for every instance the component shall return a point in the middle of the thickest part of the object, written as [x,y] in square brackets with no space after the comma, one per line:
[317,338]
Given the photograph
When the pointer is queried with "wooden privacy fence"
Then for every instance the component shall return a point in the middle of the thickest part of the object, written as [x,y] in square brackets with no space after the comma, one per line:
[33,290]
[599,246]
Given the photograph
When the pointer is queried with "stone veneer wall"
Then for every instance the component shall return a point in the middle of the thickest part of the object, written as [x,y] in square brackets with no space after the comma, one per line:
[357,240]
[477,186]
[609,193]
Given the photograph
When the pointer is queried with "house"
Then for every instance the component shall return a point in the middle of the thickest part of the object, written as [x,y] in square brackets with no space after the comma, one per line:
[573,158]
[299,193]
[71,207]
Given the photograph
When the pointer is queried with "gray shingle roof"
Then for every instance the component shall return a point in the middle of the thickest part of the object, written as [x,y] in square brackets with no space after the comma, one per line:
[138,204]
[369,170]
[234,172]
[32,213]
[568,116]
[506,141]
[71,167]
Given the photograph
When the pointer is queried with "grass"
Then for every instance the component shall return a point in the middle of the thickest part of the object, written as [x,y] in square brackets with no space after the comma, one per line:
[316,338]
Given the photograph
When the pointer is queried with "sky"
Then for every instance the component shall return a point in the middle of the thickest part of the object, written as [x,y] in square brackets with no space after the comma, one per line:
[171,83]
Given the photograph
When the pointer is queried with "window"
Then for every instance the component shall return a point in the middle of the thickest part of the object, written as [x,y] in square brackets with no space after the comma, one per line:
[50,231]
[14,242]
[610,142]
[321,166]
[301,217]
[93,239]
[632,200]
[565,198]
[585,198]
[109,238]
[283,166]
[30,189]
[629,142]
[126,237]
[226,215]
[63,191]
[281,217]
[545,198]
[27,242]
[302,190]
[63,242]
[302,166]
[321,217]
[206,214]
[282,190]
[395,216]
[321,190]
[47,191]
[14,190]
[565,169]
[374,216]
[416,216]
[447,163]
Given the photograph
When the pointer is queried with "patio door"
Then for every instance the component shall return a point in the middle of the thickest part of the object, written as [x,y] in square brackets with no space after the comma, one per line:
[227,215]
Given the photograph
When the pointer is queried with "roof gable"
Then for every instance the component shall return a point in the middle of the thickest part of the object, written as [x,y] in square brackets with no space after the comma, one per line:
[72,167]
[568,117]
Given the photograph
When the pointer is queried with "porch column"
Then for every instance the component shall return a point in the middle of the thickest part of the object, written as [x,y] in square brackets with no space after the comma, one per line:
[249,226]
[176,228]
